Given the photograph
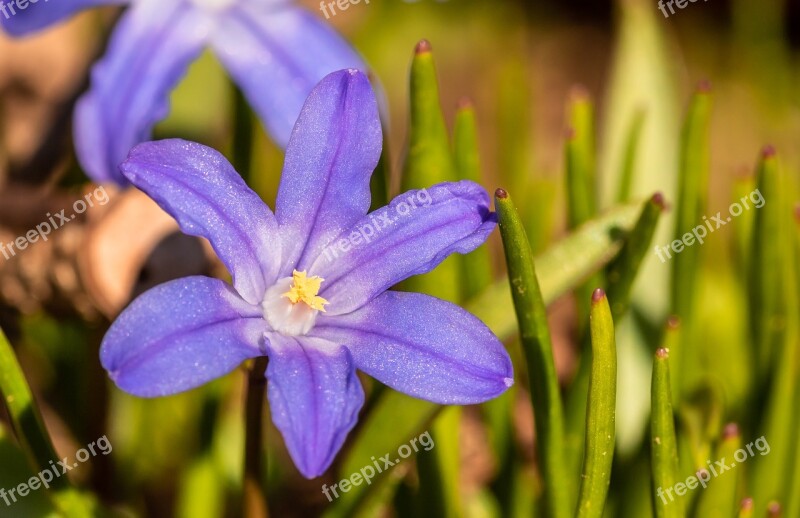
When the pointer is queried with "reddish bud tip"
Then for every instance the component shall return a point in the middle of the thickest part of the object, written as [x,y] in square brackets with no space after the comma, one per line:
[797,211]
[730,431]
[674,322]
[747,504]
[704,86]
[662,353]
[768,151]
[598,295]
[658,199]
[569,133]
[774,509]
[501,194]
[422,47]
[465,103]
[579,93]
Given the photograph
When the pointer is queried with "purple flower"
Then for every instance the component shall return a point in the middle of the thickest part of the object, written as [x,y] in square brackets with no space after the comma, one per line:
[276,53]
[317,318]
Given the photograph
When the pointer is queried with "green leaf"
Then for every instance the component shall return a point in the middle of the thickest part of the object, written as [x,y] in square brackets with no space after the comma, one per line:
[440,468]
[600,412]
[766,279]
[580,159]
[429,161]
[477,265]
[690,208]
[32,435]
[629,157]
[622,271]
[538,348]
[718,500]
[393,420]
[663,445]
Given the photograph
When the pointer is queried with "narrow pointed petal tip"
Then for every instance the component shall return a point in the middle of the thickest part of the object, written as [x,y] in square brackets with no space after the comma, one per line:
[598,295]
[423,47]
[769,151]
[730,431]
[662,353]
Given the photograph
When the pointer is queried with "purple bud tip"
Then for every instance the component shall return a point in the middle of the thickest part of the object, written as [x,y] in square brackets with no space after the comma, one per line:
[730,431]
[747,504]
[662,353]
[768,151]
[422,47]
[658,199]
[465,103]
[598,295]
[674,322]
[704,86]
[774,509]
[501,194]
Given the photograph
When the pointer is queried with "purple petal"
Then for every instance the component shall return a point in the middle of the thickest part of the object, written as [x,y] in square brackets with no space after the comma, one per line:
[315,396]
[180,335]
[150,51]
[277,54]
[410,236]
[335,147]
[424,347]
[38,14]
[202,191]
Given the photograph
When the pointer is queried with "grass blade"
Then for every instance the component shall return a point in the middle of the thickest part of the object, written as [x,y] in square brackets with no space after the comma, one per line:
[601,411]
[537,346]
[718,500]
[690,208]
[663,445]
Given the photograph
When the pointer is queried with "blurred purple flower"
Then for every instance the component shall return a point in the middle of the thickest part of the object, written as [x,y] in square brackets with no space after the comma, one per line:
[275,51]
[317,319]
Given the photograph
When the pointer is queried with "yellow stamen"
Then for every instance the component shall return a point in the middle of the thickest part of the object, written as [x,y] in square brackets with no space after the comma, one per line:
[305,289]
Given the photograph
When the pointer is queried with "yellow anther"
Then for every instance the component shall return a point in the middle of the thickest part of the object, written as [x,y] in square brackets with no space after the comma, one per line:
[305,289]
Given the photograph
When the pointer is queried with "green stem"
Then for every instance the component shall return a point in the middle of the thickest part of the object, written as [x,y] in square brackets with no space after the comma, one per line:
[255,500]
[601,411]
[537,346]
[31,433]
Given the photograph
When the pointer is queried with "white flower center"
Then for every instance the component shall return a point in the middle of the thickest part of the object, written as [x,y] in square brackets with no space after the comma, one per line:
[292,304]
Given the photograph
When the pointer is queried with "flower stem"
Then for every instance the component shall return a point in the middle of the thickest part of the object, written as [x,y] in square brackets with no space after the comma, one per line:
[255,499]
[26,420]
